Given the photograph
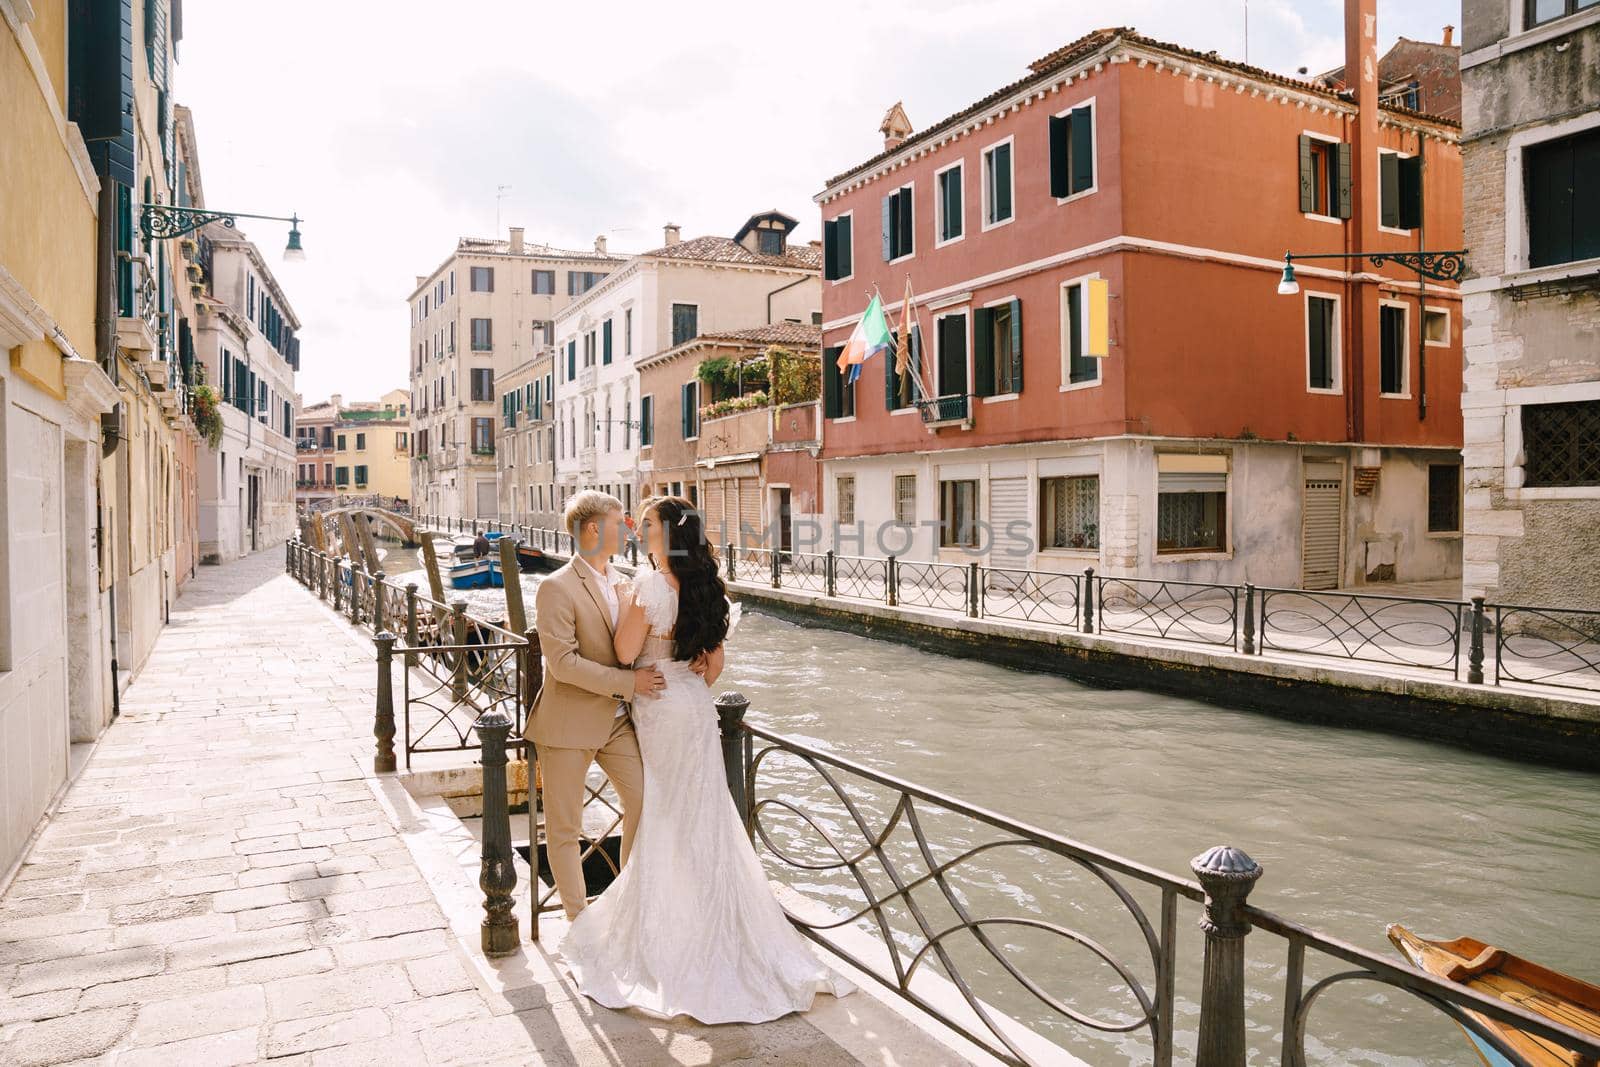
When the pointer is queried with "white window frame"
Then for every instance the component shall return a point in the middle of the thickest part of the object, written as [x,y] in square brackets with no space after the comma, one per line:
[894,494]
[1190,555]
[1515,400]
[1337,389]
[1517,241]
[1313,215]
[1405,354]
[998,398]
[939,240]
[912,186]
[854,498]
[1449,325]
[851,215]
[1094,138]
[1067,384]
[1399,231]
[986,196]
[938,361]
[696,383]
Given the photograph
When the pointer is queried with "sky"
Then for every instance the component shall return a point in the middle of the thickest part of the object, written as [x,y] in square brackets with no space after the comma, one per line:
[389,126]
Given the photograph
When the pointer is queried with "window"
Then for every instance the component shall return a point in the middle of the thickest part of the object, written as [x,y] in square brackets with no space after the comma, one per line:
[1399,191]
[769,242]
[483,279]
[898,388]
[838,393]
[1077,368]
[544,333]
[605,342]
[1562,186]
[588,349]
[689,397]
[685,322]
[845,487]
[483,437]
[544,283]
[1069,512]
[482,335]
[361,442]
[949,205]
[1539,11]
[572,359]
[1072,152]
[1561,443]
[452,335]
[1191,503]
[341,442]
[1444,498]
[997,185]
[897,225]
[958,513]
[950,336]
[905,499]
[838,255]
[1393,373]
[627,332]
[341,476]
[647,421]
[1435,326]
[1324,177]
[482,384]
[361,476]
[1322,343]
[401,441]
[581,281]
[327,473]
[997,349]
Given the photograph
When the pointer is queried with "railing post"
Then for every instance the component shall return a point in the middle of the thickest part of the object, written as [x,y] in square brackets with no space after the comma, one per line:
[532,677]
[973,587]
[1088,600]
[1475,651]
[458,637]
[338,586]
[830,573]
[731,571]
[891,582]
[731,707]
[378,621]
[322,575]
[1249,644]
[497,876]
[411,623]
[383,721]
[777,568]
[1227,875]
[356,574]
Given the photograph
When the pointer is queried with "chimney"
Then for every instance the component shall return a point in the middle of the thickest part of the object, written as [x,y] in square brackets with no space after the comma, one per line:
[516,240]
[669,233]
[338,402]
[895,127]
[420,279]
[600,244]
[1449,35]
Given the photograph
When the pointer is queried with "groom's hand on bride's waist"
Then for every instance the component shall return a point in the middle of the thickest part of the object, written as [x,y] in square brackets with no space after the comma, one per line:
[648,681]
[699,664]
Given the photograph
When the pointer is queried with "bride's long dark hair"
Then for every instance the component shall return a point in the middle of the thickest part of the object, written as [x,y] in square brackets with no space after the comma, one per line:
[702,599]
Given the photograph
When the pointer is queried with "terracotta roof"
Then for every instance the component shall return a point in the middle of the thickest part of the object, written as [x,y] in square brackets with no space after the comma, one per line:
[530,248]
[778,333]
[711,249]
[1434,65]
[1087,45]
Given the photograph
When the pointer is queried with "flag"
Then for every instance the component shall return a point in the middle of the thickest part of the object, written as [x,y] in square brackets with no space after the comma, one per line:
[870,337]
[902,345]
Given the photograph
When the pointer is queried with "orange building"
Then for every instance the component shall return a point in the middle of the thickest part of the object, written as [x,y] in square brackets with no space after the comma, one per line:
[1229,433]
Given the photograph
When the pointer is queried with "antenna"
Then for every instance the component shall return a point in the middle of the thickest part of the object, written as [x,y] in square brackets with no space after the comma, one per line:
[499,195]
[1247,31]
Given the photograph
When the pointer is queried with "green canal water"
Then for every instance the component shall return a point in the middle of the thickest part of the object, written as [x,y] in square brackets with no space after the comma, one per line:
[1355,830]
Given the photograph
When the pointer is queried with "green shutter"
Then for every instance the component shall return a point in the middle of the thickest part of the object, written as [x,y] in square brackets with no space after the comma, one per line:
[1082,149]
[982,351]
[830,250]
[1410,188]
[605,334]
[890,378]
[1060,180]
[1389,189]
[647,421]
[888,228]
[1001,184]
[907,239]
[844,250]
[1342,208]
[830,381]
[683,410]
[1308,176]
[1016,346]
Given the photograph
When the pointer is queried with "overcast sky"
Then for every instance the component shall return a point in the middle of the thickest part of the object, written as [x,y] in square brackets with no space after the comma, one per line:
[388,124]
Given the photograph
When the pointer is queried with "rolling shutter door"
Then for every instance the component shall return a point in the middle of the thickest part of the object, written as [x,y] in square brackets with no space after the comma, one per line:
[712,507]
[1008,503]
[1320,534]
[750,508]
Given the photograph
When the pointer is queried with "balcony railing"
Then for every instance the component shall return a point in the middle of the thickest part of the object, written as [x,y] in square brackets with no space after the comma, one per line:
[941,410]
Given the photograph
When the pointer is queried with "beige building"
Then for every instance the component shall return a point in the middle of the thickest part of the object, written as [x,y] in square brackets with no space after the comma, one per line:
[354,451]
[525,449]
[487,308]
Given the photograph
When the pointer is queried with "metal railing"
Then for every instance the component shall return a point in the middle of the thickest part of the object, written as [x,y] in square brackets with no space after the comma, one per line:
[1546,646]
[1401,631]
[1172,610]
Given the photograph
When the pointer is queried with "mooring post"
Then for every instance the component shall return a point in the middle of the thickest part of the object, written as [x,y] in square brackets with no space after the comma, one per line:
[1475,651]
[830,573]
[322,574]
[411,623]
[356,574]
[731,707]
[1227,875]
[383,721]
[891,582]
[1249,645]
[1088,600]
[497,876]
[378,620]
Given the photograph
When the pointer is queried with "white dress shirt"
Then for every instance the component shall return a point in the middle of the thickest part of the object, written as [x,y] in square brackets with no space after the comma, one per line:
[608,589]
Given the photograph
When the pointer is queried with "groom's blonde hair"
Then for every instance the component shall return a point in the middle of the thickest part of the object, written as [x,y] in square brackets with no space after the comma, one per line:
[591,505]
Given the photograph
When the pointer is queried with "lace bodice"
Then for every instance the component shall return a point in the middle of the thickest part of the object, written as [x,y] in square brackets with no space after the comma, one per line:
[659,600]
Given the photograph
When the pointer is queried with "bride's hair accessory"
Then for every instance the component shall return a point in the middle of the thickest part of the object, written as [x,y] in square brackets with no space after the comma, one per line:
[683,518]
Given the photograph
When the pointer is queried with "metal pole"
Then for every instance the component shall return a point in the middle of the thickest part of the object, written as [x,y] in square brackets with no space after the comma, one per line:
[378,621]
[830,573]
[1088,600]
[777,567]
[1249,645]
[1475,653]
[411,623]
[973,589]
[731,707]
[338,591]
[322,575]
[383,722]
[891,582]
[1227,875]
[458,637]
[730,562]
[497,875]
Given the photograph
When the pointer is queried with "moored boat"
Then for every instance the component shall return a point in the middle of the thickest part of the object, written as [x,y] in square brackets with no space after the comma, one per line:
[1497,973]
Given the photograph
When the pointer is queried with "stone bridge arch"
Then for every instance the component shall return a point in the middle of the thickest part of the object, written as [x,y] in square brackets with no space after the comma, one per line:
[400,525]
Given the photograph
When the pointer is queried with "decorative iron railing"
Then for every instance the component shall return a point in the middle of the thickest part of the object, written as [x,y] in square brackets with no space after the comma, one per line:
[1032,596]
[860,577]
[932,585]
[1403,631]
[1546,646]
[1172,610]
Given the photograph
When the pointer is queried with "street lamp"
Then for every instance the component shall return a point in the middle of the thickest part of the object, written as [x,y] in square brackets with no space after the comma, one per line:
[160,221]
[1443,266]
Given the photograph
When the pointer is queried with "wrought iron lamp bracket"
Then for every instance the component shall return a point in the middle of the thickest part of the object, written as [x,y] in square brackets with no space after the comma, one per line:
[1450,266]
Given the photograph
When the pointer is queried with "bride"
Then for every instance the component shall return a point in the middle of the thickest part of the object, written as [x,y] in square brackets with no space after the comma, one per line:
[690,926]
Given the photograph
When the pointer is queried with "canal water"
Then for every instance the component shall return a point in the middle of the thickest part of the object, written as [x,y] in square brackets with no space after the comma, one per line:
[1355,830]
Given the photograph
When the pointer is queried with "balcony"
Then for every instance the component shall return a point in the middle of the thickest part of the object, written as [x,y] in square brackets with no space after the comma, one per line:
[586,377]
[587,464]
[951,410]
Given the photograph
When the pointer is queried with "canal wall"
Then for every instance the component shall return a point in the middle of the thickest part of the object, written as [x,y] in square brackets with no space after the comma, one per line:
[1492,720]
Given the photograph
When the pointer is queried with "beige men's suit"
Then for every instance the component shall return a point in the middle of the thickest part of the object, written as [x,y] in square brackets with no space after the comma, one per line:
[574,722]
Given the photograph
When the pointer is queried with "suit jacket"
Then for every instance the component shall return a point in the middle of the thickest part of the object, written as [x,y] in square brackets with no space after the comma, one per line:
[583,682]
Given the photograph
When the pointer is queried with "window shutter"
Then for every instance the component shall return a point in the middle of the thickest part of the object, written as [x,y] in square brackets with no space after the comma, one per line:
[1016,346]
[1342,208]
[888,228]
[1002,183]
[605,335]
[1389,189]
[907,242]
[647,415]
[1082,149]
[683,412]
[982,351]
[1060,181]
[572,359]
[830,381]
[890,378]
[1308,176]
[844,251]
[830,250]
[1410,170]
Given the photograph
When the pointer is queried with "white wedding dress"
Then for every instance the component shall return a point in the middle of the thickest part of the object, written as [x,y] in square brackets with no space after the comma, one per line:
[690,926]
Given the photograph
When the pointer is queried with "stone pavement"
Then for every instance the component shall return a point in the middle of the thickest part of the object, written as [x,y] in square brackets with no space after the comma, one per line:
[225,883]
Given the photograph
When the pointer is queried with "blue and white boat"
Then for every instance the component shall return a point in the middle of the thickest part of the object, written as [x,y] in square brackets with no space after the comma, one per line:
[467,570]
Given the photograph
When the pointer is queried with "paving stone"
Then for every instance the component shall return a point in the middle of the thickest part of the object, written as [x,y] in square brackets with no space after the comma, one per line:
[253,897]
[174,930]
[281,914]
[398,1050]
[78,972]
[433,976]
[38,1006]
[357,952]
[311,961]
[341,990]
[214,1050]
[216,1011]
[159,909]
[70,1037]
[153,987]
[238,947]
[324,1031]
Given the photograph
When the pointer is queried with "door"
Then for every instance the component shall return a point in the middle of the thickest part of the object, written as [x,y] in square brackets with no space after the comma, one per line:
[785,523]
[254,508]
[488,505]
[713,514]
[1321,533]
[750,510]
[1008,503]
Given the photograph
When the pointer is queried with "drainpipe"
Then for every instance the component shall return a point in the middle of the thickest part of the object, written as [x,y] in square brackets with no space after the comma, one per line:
[780,289]
[1422,282]
[105,348]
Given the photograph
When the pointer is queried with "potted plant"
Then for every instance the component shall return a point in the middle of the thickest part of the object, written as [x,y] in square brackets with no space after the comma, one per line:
[207,413]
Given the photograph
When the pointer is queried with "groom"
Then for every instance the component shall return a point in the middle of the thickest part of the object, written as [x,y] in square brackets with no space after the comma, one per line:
[581,715]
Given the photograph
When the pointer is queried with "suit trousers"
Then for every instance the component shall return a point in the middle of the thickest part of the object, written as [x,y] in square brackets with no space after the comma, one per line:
[565,771]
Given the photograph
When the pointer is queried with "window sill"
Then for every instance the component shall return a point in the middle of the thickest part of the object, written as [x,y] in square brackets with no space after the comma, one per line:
[848,418]
[1068,553]
[1396,231]
[1554,492]
[987,226]
[947,241]
[1001,398]
[1336,391]
[1443,535]
[1199,555]
[896,411]
[840,281]
[1079,195]
[1394,396]
[1075,386]
[901,259]
[1314,217]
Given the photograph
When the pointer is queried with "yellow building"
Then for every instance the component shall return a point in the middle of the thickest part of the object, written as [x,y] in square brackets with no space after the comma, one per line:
[354,451]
